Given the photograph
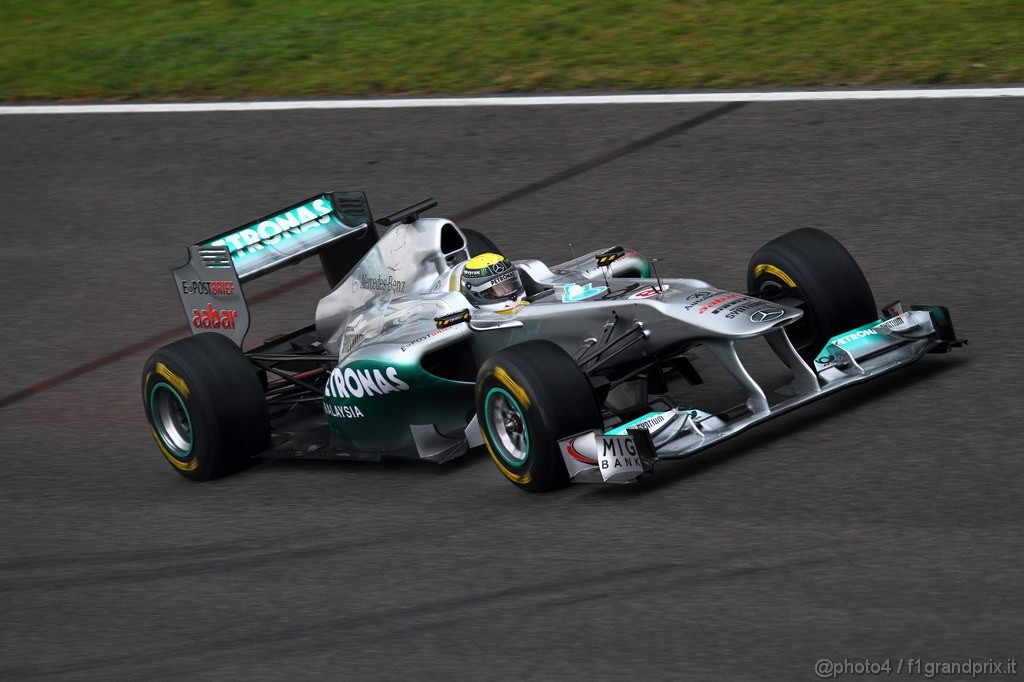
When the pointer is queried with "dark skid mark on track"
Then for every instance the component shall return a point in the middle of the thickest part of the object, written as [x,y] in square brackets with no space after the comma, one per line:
[526,190]
[606,158]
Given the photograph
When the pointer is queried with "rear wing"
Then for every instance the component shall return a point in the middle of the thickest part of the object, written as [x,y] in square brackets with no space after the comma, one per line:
[288,236]
[336,226]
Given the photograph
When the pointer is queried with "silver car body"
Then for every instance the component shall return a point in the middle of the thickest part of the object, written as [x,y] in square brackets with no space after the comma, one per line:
[403,386]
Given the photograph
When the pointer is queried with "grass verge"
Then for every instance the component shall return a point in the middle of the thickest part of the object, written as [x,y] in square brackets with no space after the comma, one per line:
[167,49]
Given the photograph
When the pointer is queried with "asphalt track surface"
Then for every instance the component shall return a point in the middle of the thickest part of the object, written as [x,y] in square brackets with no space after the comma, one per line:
[883,522]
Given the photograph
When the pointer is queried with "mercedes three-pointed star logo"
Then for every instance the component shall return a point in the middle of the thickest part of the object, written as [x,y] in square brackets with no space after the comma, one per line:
[766,314]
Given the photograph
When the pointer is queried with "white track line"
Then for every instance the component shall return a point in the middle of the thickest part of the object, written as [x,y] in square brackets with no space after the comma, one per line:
[692,98]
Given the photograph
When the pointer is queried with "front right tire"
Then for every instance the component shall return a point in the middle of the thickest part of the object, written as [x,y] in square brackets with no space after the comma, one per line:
[812,265]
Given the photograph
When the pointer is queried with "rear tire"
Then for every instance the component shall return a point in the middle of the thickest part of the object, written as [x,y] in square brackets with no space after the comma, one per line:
[205,406]
[825,275]
[528,396]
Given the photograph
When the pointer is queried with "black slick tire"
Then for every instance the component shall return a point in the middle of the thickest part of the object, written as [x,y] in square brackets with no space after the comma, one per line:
[205,406]
[815,267]
[543,393]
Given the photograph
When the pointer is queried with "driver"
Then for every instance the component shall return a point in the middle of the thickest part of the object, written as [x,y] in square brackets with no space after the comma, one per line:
[491,282]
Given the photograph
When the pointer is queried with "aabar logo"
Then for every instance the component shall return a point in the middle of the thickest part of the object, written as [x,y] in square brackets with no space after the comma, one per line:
[358,383]
[208,318]
[717,302]
[271,231]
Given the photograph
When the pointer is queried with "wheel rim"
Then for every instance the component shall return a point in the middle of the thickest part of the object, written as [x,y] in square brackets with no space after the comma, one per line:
[171,419]
[507,427]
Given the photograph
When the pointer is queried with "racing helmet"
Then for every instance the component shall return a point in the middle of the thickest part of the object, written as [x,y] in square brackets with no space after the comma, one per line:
[491,282]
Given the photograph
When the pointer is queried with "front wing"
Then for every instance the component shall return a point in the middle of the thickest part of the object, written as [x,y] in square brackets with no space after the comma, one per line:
[624,453]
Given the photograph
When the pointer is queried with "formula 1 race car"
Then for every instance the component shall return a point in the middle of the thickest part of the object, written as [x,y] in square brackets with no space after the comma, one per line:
[431,343]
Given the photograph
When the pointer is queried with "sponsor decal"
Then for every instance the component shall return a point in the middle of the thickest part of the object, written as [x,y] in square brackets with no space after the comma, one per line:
[743,307]
[698,297]
[717,302]
[350,383]
[857,342]
[766,314]
[425,337]
[619,461]
[343,411]
[742,300]
[859,334]
[652,421]
[622,450]
[895,322]
[499,279]
[379,283]
[288,225]
[648,292]
[574,292]
[648,424]
[214,288]
[209,318]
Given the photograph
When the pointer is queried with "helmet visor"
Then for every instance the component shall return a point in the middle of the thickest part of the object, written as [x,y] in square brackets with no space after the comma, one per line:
[506,285]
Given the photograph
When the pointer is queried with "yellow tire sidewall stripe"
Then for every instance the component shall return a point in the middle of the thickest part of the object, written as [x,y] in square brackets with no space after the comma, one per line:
[509,474]
[762,268]
[178,464]
[177,382]
[508,382]
[502,376]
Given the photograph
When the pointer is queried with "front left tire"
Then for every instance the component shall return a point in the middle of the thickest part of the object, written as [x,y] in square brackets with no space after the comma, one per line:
[528,396]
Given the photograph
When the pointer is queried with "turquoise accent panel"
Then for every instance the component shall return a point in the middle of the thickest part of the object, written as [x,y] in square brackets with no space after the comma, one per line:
[857,342]
[574,292]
